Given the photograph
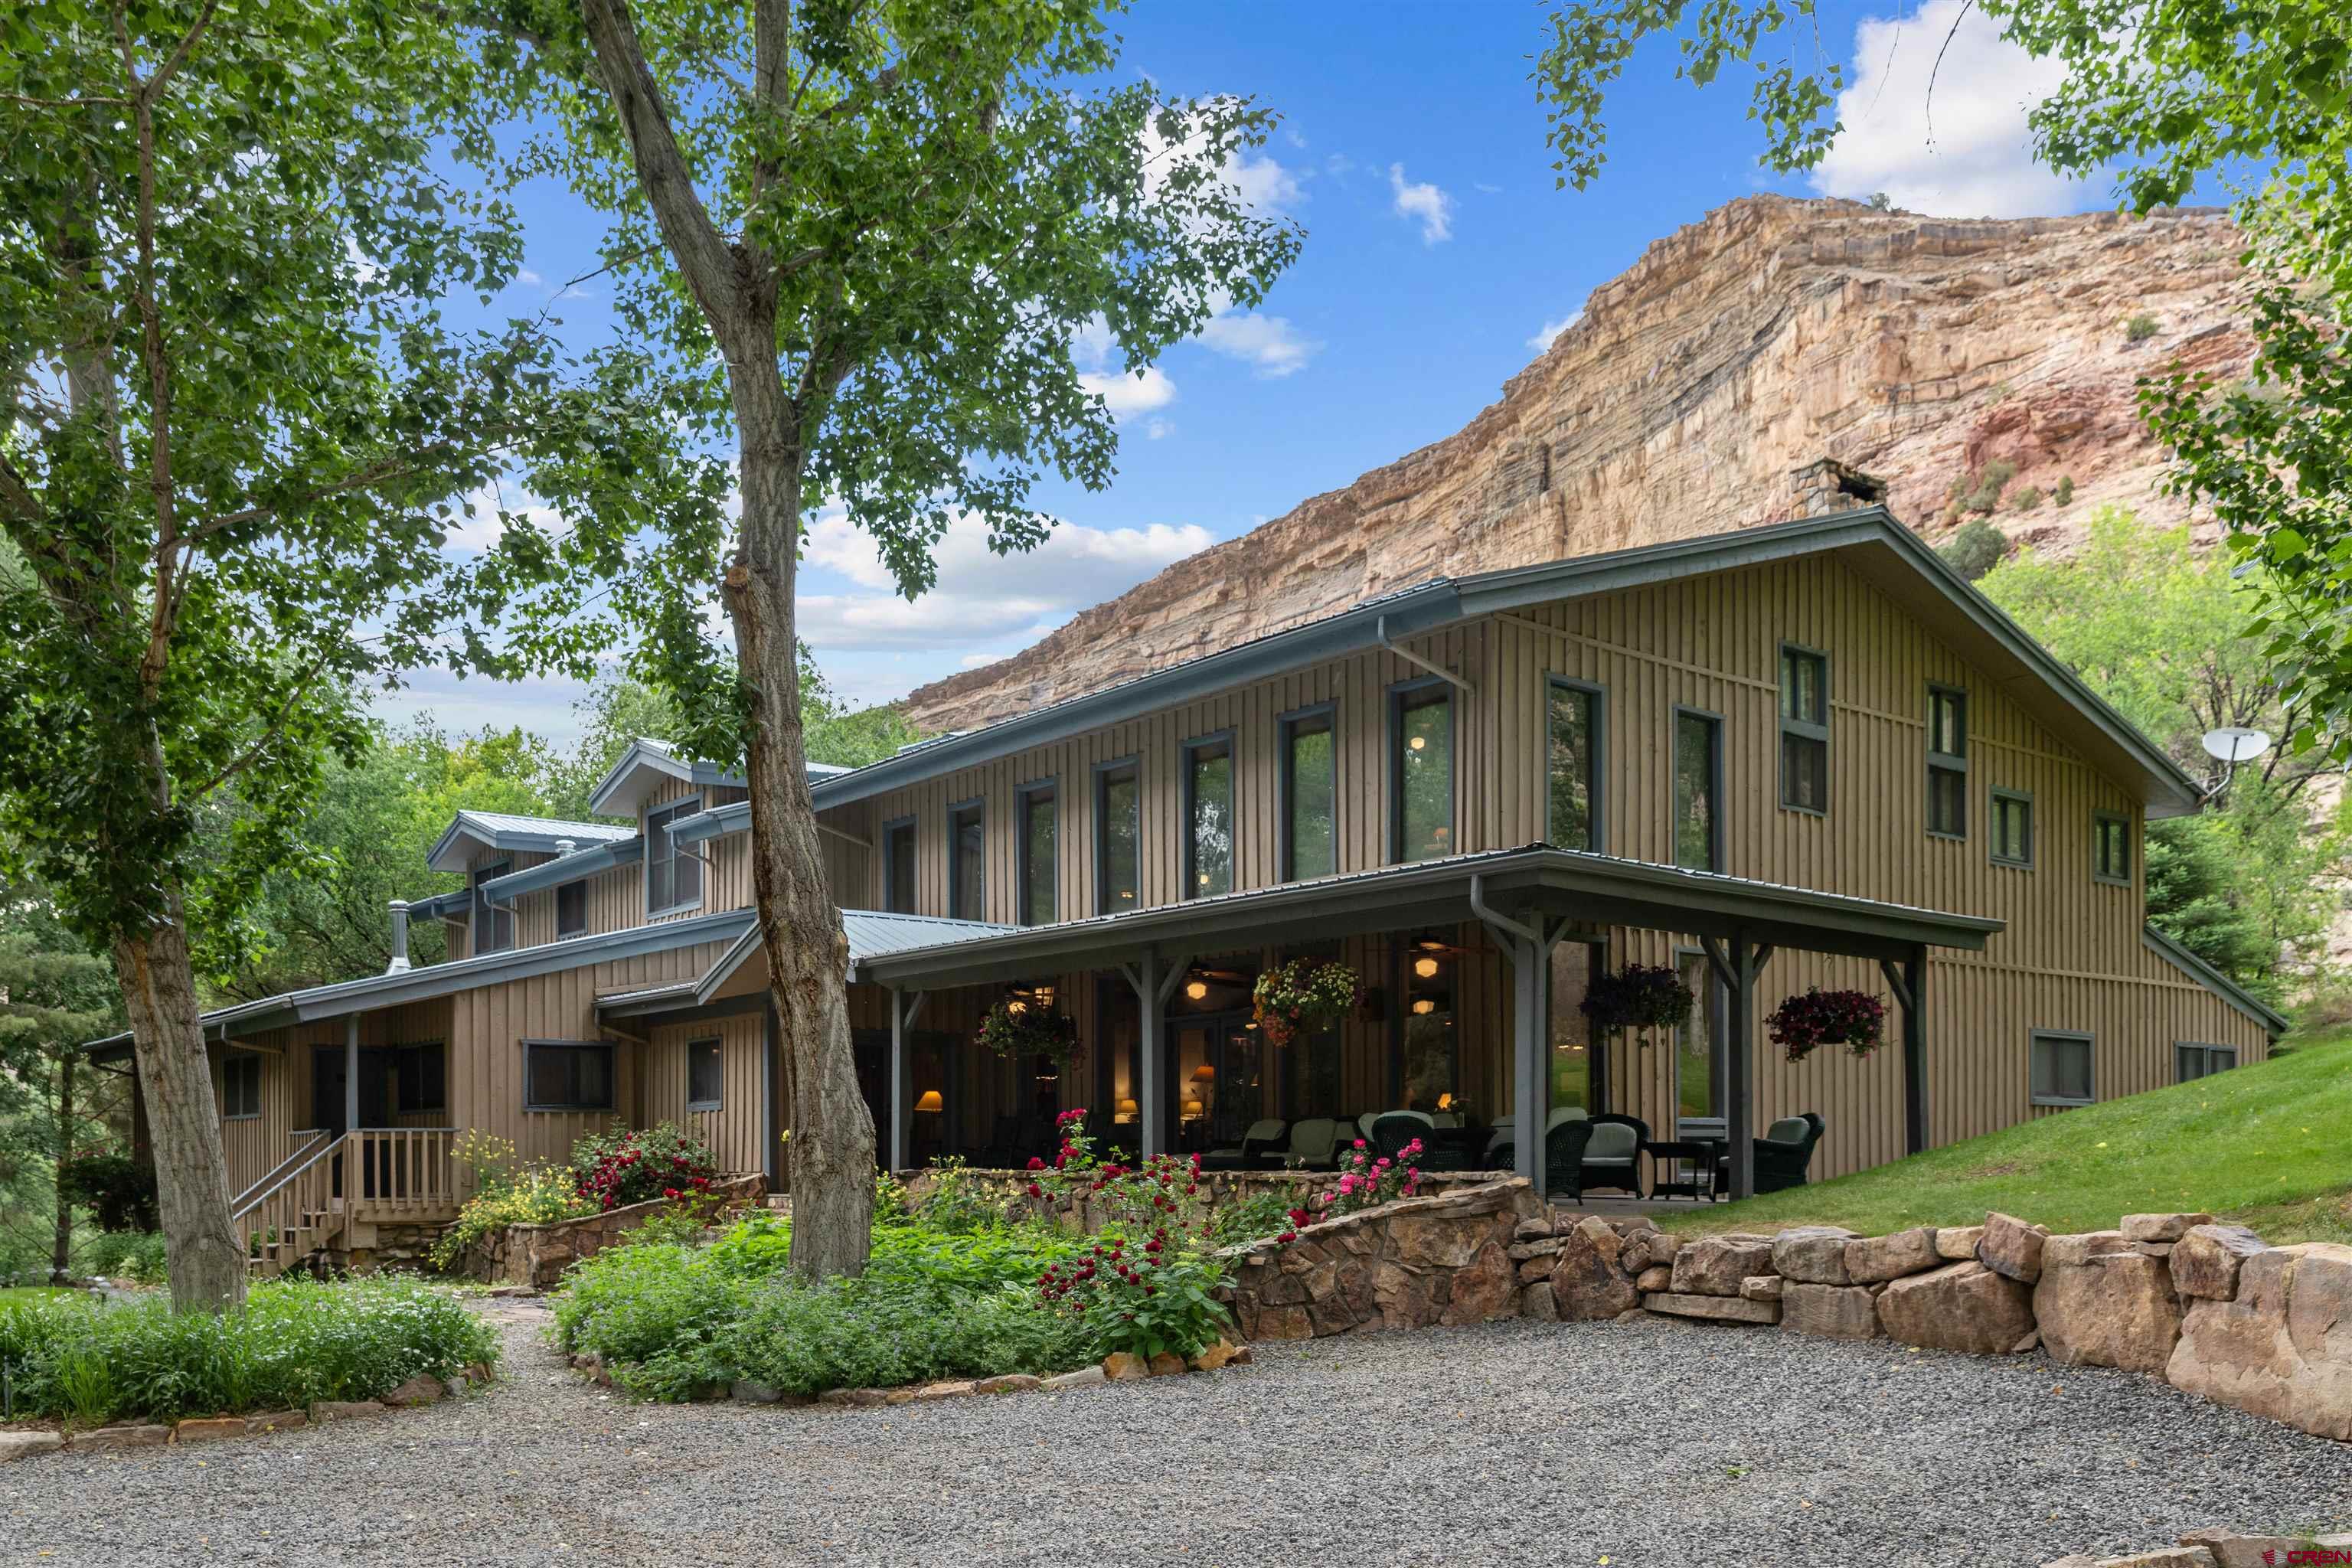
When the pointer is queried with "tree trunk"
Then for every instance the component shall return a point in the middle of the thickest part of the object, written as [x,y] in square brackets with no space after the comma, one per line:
[830,1148]
[61,1246]
[159,989]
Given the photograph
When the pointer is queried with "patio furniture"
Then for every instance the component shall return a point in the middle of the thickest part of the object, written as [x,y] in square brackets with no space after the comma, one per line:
[1258,1149]
[1783,1153]
[1453,1149]
[1503,1148]
[1392,1130]
[1595,1151]
[1704,1156]
[1312,1140]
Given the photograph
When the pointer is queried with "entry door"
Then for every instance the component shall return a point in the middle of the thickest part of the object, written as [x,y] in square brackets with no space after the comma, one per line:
[1216,1065]
[327,1085]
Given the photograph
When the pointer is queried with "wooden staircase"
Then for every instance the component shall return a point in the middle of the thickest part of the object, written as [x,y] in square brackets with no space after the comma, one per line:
[336,1188]
[291,1215]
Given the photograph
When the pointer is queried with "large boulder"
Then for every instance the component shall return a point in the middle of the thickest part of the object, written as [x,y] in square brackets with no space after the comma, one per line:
[1488,1287]
[1715,1265]
[1589,1277]
[1812,1254]
[2161,1226]
[1962,1307]
[1831,1311]
[2102,1301]
[1871,1258]
[2283,1347]
[2011,1248]
[2205,1260]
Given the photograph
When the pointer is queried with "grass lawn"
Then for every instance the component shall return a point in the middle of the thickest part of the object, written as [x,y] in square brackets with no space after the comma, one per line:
[2268,1145]
[40,1292]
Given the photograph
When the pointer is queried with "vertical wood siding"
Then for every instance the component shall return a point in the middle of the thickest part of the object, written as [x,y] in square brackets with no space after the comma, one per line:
[732,1131]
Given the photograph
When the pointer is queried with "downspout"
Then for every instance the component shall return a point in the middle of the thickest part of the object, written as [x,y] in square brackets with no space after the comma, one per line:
[1380,631]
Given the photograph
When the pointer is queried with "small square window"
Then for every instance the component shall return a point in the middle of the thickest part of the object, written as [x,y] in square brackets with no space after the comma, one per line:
[571,909]
[241,1085]
[2012,824]
[706,1080]
[2061,1069]
[2111,847]
[2192,1061]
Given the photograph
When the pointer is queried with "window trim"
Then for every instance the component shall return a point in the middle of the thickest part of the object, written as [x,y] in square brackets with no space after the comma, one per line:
[719,1043]
[612,1074]
[1285,784]
[2237,1058]
[402,1053]
[1398,692]
[671,811]
[888,831]
[241,1059]
[1947,762]
[1101,815]
[1023,795]
[560,890]
[480,905]
[1804,729]
[1191,886]
[1717,854]
[2091,1047]
[978,806]
[2099,819]
[1595,786]
[1993,799]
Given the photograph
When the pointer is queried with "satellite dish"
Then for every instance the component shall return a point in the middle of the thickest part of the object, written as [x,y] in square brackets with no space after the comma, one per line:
[2235,745]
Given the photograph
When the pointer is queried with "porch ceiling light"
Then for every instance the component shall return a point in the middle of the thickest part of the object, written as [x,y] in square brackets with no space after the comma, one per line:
[929,1100]
[1424,1006]
[1196,989]
[1425,966]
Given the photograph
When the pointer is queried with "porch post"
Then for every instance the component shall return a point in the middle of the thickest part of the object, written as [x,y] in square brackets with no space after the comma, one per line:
[1740,1070]
[1148,1051]
[352,1073]
[1528,976]
[900,1110]
[1915,1053]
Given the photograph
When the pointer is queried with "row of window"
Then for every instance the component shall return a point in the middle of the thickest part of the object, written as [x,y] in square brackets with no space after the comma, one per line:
[577,1075]
[2061,1072]
[420,1078]
[673,884]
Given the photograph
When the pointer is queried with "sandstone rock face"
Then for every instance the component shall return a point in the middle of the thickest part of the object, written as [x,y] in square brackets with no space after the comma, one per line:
[1656,1276]
[24,1444]
[1814,1254]
[1962,1307]
[1770,333]
[1831,1311]
[2205,1260]
[1760,1288]
[1589,1279]
[2012,1247]
[1876,1257]
[2161,1226]
[2283,1347]
[1714,1309]
[1537,1302]
[2102,1302]
[1958,1244]
[1123,1366]
[209,1430]
[1715,1265]
[1447,1258]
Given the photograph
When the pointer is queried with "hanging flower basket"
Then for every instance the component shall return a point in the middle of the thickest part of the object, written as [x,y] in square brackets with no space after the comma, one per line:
[1854,1019]
[1017,1026]
[1305,996]
[1638,997]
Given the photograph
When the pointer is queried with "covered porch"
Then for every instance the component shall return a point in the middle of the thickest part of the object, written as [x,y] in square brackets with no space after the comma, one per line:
[1473,967]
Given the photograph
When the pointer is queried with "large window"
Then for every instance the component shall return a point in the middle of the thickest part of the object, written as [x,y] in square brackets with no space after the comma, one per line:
[1041,828]
[423,1077]
[673,873]
[567,1074]
[2012,825]
[1209,817]
[1310,839]
[1698,790]
[571,909]
[1431,1062]
[2192,1060]
[1118,831]
[1572,765]
[1579,1079]
[2061,1068]
[1948,763]
[1701,1047]
[706,1075]
[493,924]
[899,866]
[241,1085]
[1421,771]
[967,861]
[2111,847]
[1804,729]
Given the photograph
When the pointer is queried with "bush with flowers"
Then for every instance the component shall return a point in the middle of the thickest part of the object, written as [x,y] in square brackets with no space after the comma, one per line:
[1367,1180]
[1146,1284]
[506,1192]
[613,1170]
[1016,1026]
[1850,1018]
[1638,997]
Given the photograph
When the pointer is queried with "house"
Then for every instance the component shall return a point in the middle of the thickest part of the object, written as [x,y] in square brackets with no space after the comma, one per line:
[1799,756]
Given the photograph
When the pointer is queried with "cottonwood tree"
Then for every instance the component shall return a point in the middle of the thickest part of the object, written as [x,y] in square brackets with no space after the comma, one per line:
[2163,93]
[877,226]
[232,429]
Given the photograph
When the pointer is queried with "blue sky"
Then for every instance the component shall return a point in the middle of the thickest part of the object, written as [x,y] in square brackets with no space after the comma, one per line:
[1437,254]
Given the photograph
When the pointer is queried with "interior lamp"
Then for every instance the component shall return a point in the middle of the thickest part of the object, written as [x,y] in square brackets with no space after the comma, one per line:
[1418,742]
[1192,1109]
[1444,1102]
[1126,1108]
[929,1100]
[1204,1073]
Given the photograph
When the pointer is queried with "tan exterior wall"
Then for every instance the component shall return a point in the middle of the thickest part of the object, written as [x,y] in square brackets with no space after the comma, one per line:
[255,1146]
[732,1130]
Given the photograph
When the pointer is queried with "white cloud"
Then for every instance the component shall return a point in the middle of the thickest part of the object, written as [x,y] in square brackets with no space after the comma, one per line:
[983,599]
[1420,200]
[1128,395]
[479,527]
[1484,189]
[530,277]
[1339,165]
[1269,344]
[1550,330]
[1157,430]
[981,660]
[1963,151]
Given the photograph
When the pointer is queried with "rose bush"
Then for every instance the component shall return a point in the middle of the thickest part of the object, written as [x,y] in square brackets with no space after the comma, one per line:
[613,1170]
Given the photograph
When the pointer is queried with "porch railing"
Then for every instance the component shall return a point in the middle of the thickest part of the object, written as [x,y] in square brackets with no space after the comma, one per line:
[295,1216]
[304,1142]
[404,1171]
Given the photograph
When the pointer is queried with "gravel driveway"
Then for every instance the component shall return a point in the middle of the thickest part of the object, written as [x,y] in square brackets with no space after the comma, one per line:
[1652,1443]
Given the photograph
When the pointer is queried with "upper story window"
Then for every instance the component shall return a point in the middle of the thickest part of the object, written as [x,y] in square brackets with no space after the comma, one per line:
[2111,847]
[493,924]
[673,872]
[1209,817]
[1698,790]
[1804,729]
[1040,837]
[706,1075]
[1421,771]
[1118,825]
[967,861]
[571,909]
[1572,765]
[241,1085]
[2012,828]
[1948,763]
[899,866]
[1309,785]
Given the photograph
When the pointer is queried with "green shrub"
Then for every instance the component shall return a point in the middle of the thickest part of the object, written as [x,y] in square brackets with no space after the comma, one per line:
[1974,550]
[1262,1212]
[1990,480]
[2027,498]
[539,1195]
[125,1254]
[617,1169]
[118,1192]
[2064,494]
[955,1202]
[2141,328]
[293,1342]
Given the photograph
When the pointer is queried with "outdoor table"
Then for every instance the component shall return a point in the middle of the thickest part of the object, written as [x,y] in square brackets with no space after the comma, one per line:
[1702,1155]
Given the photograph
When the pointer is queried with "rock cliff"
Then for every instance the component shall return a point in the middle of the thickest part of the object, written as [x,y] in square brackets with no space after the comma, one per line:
[1771,333]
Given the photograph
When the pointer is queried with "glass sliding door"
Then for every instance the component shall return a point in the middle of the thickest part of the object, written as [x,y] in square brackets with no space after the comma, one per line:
[1701,1049]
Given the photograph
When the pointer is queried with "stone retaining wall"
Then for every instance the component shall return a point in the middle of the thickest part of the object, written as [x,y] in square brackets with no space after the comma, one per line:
[537,1255]
[1219,1189]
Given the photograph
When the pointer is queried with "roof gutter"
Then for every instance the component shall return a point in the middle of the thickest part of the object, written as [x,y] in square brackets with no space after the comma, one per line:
[504,890]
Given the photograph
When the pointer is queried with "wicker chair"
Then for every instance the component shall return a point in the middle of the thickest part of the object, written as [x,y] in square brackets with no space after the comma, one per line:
[1595,1151]
[1392,1130]
[1260,1148]
[1784,1151]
